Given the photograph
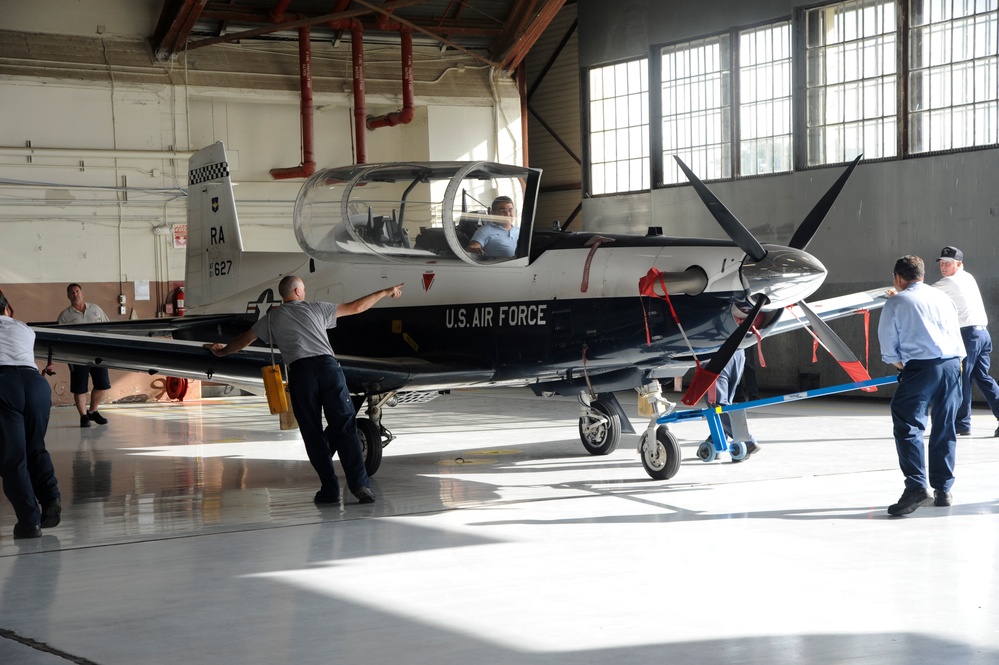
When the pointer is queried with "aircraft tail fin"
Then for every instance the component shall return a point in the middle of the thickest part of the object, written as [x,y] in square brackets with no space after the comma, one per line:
[214,244]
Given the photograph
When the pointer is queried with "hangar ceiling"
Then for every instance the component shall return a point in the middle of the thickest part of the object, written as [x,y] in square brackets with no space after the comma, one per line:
[499,33]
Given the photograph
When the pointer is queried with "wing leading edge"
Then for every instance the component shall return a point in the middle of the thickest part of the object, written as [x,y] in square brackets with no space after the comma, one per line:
[190,360]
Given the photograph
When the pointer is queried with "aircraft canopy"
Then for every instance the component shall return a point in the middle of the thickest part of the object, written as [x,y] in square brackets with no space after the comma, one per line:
[419,211]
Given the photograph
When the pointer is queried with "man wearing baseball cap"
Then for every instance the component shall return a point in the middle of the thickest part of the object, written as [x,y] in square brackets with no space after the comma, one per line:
[963,290]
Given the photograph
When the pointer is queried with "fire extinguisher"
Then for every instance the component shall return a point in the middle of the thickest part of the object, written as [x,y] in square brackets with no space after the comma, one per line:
[180,301]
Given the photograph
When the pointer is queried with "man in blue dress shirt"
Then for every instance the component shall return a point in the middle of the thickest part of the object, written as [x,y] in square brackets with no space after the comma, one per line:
[919,335]
[499,236]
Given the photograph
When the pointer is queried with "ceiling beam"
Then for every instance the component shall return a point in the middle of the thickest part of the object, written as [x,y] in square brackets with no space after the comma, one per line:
[177,19]
[424,31]
[528,21]
[296,24]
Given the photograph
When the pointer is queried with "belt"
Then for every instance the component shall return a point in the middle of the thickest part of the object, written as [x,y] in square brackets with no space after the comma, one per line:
[973,328]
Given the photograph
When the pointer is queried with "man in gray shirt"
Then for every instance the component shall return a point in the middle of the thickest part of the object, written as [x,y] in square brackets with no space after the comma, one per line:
[315,380]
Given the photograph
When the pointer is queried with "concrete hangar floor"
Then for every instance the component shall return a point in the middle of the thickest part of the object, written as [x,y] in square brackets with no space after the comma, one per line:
[189,535]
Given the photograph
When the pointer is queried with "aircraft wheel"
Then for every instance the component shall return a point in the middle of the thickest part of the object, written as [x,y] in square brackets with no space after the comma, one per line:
[600,429]
[661,459]
[706,452]
[371,444]
[738,451]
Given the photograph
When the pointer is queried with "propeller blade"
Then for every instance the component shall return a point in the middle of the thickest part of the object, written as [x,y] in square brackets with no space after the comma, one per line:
[836,347]
[810,225]
[705,377]
[729,222]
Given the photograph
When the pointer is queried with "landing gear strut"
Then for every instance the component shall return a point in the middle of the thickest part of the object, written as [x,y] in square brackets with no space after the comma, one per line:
[658,447]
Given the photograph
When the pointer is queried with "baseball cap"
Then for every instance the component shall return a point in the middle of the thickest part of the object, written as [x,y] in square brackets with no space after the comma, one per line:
[951,253]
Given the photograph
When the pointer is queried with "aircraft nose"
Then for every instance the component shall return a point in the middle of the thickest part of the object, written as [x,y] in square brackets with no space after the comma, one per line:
[785,275]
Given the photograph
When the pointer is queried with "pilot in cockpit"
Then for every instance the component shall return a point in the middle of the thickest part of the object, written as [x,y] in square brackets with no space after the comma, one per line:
[498,237]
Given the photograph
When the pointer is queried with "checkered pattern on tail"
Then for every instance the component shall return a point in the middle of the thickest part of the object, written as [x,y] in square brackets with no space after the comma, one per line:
[206,173]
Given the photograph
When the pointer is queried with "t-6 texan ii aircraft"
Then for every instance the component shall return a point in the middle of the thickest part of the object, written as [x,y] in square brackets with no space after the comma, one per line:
[581,314]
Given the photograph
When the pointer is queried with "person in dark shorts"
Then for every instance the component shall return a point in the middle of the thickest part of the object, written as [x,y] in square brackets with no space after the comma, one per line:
[79,311]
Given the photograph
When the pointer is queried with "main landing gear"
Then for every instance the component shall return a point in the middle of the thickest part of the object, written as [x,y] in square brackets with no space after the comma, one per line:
[373,436]
[599,424]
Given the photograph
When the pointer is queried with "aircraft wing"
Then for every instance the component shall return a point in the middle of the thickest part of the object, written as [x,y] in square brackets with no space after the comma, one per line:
[161,326]
[190,360]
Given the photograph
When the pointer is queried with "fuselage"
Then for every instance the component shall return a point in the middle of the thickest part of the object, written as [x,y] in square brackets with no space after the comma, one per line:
[571,307]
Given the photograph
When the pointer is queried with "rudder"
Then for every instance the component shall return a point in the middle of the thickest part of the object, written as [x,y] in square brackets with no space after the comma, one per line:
[214,243]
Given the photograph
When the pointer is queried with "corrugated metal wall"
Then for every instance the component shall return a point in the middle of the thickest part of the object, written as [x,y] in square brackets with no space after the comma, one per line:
[555,103]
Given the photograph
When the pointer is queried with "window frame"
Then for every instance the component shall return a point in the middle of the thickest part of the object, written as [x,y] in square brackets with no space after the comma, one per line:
[585,101]
[735,107]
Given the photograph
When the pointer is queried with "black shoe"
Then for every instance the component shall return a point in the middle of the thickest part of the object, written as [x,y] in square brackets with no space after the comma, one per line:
[27,531]
[967,432]
[941,498]
[365,495]
[84,421]
[51,514]
[996,432]
[322,498]
[909,501]
[97,417]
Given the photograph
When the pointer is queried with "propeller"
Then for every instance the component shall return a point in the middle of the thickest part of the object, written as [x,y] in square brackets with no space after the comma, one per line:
[729,222]
[803,234]
[704,377]
[836,348]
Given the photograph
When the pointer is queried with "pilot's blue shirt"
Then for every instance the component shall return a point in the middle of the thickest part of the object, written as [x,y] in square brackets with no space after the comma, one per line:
[497,241]
[919,324]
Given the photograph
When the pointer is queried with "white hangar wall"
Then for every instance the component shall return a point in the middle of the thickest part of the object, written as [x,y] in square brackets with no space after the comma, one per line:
[96,136]
[93,173]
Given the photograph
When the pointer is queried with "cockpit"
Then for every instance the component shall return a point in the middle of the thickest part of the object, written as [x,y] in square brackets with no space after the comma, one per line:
[479,213]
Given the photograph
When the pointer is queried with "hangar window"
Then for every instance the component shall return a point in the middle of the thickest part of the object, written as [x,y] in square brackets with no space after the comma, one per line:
[851,81]
[696,109]
[619,127]
[953,88]
[764,93]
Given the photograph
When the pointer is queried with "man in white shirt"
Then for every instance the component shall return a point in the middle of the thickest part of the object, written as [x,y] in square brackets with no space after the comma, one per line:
[963,290]
[80,375]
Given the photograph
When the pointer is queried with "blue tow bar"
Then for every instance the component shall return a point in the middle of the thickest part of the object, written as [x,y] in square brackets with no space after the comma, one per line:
[719,444]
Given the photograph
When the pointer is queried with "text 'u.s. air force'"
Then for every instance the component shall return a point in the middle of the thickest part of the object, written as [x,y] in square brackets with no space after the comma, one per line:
[501,316]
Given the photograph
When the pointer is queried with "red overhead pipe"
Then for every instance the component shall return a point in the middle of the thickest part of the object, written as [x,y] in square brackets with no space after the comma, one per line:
[406,114]
[308,165]
[360,110]
[278,10]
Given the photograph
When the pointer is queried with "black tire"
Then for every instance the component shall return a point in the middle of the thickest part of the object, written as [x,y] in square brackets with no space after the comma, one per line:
[602,438]
[371,444]
[661,461]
